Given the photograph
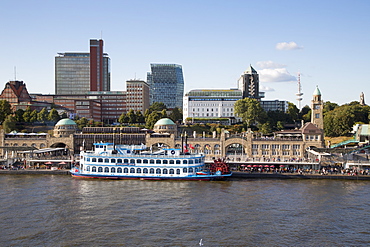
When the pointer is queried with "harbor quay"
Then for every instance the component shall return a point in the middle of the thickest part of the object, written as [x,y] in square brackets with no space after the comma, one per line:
[243,174]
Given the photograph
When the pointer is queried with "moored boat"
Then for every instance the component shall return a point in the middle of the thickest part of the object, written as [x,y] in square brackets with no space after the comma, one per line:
[111,161]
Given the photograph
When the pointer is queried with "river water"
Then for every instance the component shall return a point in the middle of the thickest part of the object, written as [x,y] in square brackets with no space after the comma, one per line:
[51,210]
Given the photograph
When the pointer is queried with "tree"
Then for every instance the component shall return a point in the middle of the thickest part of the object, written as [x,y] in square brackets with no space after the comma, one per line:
[293,111]
[27,115]
[176,115]
[265,128]
[131,116]
[9,124]
[123,118]
[5,109]
[33,116]
[329,106]
[42,116]
[82,122]
[53,115]
[305,114]
[157,106]
[249,110]
[164,113]
[139,117]
[152,119]
[18,115]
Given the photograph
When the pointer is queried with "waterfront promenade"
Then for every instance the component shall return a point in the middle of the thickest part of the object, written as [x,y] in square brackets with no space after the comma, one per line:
[236,174]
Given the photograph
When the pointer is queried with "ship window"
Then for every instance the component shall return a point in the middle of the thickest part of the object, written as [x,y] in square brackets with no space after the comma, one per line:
[125,170]
[113,161]
[100,169]
[177,171]
[88,168]
[93,160]
[191,161]
[165,171]
[138,161]
[158,171]
[125,161]
[106,160]
[100,160]
[172,162]
[145,170]
[191,169]
[106,169]
[151,161]
[113,170]
[93,169]
[132,161]
[196,169]
[185,170]
[185,161]
[178,162]
[88,159]
[145,161]
[119,170]
[119,161]
[138,170]
[165,161]
[132,170]
[151,171]
[158,161]
[172,171]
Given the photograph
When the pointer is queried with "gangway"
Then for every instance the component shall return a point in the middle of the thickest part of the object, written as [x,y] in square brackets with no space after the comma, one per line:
[344,143]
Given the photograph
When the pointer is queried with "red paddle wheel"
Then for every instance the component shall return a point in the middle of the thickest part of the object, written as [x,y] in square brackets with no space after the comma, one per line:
[219,165]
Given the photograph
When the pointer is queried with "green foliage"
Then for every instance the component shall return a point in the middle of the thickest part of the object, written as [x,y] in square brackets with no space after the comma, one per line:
[18,115]
[5,110]
[9,124]
[82,122]
[293,111]
[250,111]
[265,128]
[33,116]
[139,117]
[157,106]
[53,115]
[164,113]
[176,115]
[27,115]
[42,116]
[340,120]
[131,116]
[123,118]
[152,119]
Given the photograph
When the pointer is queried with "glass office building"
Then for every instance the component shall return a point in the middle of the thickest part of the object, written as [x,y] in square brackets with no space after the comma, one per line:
[166,83]
[81,72]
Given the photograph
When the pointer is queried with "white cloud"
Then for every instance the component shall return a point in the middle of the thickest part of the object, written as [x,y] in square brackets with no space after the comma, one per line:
[276,75]
[288,46]
[270,65]
[266,89]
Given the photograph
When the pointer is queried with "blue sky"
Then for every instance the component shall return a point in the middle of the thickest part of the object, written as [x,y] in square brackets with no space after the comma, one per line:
[326,41]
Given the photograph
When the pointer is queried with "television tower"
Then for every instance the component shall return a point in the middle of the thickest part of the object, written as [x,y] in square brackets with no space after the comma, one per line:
[299,93]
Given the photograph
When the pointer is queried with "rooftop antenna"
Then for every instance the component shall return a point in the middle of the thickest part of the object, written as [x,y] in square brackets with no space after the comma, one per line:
[299,93]
[15,73]
[101,34]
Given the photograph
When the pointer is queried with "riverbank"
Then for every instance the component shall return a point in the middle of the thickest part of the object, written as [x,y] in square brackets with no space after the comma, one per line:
[264,175]
[236,175]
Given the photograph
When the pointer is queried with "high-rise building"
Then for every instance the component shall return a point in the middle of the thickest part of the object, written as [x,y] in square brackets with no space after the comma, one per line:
[81,72]
[248,83]
[166,84]
[137,95]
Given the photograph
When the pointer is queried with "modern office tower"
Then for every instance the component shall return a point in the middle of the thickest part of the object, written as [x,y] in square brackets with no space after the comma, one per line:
[210,104]
[81,72]
[317,106]
[248,83]
[166,84]
[137,95]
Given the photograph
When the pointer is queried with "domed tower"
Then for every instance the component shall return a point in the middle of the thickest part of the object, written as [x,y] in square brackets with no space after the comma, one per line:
[65,127]
[165,125]
[317,106]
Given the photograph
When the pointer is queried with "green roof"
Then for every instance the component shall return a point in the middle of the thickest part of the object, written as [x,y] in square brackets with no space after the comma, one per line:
[165,121]
[65,121]
[317,91]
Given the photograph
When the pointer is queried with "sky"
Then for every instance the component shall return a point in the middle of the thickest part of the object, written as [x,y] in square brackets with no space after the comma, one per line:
[327,42]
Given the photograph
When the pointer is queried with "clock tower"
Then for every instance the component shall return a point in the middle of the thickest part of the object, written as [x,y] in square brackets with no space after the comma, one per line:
[317,106]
